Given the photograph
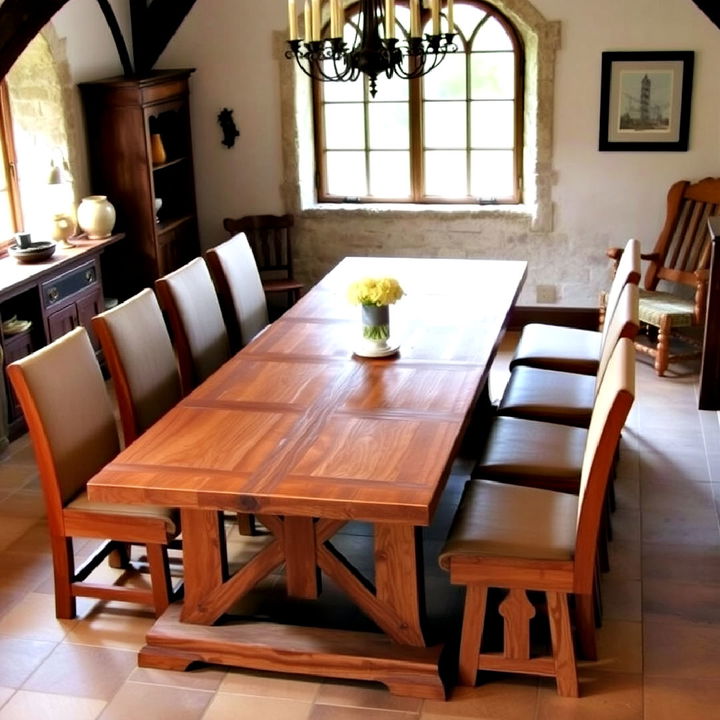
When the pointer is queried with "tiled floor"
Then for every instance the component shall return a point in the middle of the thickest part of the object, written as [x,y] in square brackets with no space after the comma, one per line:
[659,646]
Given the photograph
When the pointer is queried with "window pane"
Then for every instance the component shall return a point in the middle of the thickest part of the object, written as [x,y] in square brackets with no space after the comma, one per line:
[344,126]
[389,126]
[445,173]
[390,174]
[492,36]
[346,173]
[491,174]
[466,18]
[492,76]
[343,91]
[447,80]
[445,125]
[492,124]
[394,88]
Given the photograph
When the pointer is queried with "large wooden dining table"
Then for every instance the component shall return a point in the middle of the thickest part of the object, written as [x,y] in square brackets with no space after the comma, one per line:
[307,436]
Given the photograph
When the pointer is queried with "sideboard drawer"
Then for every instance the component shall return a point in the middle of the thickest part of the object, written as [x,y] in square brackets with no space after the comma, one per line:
[64,286]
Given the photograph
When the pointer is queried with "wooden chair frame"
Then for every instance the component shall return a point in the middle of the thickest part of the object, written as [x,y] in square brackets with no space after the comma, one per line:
[682,256]
[555,578]
[271,242]
[66,523]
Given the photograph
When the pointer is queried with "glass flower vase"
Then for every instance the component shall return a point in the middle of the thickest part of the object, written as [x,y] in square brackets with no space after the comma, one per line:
[376,324]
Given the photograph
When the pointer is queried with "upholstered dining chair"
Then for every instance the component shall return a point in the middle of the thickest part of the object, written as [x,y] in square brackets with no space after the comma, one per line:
[565,397]
[239,289]
[555,347]
[521,539]
[141,360]
[62,394]
[187,295]
[270,238]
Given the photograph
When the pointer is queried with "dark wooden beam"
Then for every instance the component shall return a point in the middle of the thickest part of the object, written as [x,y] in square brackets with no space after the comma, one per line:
[153,25]
[711,8]
[20,22]
[117,36]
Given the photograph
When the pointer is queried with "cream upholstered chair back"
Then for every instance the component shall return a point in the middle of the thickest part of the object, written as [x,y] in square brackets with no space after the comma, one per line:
[69,415]
[242,298]
[188,297]
[141,360]
[624,323]
[627,271]
[612,405]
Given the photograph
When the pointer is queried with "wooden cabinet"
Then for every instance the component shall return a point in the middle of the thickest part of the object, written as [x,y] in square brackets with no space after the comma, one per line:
[122,115]
[71,299]
[55,296]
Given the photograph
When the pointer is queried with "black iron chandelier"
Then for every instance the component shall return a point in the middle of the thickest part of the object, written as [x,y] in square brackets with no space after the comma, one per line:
[375,49]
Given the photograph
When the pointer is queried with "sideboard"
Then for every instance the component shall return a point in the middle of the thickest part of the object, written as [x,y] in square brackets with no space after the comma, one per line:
[55,296]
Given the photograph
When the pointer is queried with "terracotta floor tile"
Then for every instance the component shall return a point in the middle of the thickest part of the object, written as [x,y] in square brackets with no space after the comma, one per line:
[25,705]
[498,697]
[682,563]
[12,528]
[137,701]
[35,618]
[364,695]
[688,699]
[276,685]
[621,599]
[681,649]
[603,696]
[619,645]
[83,671]
[9,599]
[668,600]
[203,677]
[19,657]
[5,695]
[333,712]
[113,625]
[23,571]
[239,707]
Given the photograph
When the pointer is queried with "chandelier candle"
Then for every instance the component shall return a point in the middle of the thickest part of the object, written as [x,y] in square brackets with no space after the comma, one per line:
[376,50]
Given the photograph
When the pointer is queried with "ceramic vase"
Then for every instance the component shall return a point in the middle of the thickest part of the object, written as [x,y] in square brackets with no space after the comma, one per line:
[157,149]
[63,227]
[96,216]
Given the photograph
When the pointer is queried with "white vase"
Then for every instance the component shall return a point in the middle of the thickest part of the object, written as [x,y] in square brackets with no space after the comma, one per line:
[96,216]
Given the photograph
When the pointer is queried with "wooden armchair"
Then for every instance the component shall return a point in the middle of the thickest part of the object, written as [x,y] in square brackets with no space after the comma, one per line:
[673,299]
[270,237]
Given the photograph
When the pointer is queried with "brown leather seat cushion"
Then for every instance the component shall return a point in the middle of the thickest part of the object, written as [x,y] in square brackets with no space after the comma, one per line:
[549,396]
[555,347]
[533,453]
[498,520]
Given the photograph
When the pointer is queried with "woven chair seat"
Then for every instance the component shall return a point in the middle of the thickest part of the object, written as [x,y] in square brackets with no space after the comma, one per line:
[654,306]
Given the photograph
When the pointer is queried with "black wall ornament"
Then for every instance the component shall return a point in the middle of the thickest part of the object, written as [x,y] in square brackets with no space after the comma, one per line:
[230,131]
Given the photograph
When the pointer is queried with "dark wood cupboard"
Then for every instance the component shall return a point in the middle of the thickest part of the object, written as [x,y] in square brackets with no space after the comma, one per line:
[127,120]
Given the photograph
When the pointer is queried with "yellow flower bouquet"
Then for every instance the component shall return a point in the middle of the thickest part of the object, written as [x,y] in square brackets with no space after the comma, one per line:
[375,294]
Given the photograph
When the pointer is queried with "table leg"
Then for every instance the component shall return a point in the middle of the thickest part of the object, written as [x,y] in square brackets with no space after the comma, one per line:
[205,566]
[398,575]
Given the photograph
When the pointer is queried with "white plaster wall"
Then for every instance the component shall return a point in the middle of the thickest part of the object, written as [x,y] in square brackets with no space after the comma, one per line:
[600,198]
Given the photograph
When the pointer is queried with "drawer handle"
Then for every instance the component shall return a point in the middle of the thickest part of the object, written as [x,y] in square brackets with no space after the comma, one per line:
[90,275]
[53,294]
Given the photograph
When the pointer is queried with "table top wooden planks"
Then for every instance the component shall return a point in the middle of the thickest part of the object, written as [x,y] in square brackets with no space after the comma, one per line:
[297,425]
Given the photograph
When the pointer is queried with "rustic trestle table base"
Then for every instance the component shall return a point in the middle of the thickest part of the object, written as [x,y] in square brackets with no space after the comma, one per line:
[298,431]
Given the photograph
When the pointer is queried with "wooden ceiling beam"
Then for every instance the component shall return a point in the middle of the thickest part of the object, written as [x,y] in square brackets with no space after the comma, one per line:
[153,25]
[20,22]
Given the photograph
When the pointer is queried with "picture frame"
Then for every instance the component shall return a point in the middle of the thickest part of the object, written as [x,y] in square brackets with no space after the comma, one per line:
[645,100]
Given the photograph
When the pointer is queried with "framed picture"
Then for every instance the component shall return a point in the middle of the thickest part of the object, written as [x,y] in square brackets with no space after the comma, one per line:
[645,100]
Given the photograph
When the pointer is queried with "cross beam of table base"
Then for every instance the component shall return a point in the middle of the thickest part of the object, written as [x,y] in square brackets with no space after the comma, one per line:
[409,671]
